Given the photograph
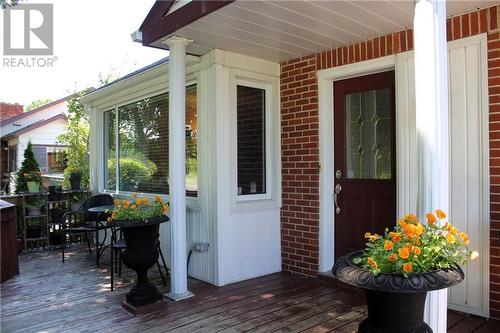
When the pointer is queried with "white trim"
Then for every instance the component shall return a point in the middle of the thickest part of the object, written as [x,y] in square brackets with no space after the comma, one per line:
[326,78]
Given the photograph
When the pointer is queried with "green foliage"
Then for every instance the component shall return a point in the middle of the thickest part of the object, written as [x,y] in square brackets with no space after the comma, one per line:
[76,137]
[6,3]
[133,172]
[36,104]
[29,171]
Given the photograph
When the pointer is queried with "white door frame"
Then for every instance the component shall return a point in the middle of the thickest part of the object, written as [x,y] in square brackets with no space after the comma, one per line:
[326,78]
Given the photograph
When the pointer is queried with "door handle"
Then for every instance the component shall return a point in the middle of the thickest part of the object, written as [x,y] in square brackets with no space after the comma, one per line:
[336,192]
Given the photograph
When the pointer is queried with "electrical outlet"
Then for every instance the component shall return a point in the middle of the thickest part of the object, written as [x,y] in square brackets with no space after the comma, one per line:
[200,247]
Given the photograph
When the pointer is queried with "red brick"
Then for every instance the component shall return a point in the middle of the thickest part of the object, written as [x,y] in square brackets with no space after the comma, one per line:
[457,31]
[465,26]
[483,20]
[449,30]
[474,23]
[493,18]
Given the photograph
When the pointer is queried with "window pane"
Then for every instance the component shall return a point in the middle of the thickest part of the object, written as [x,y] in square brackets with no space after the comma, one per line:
[368,134]
[251,109]
[55,159]
[109,150]
[143,144]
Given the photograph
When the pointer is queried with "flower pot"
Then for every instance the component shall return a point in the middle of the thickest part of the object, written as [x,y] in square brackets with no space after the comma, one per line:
[141,238]
[395,303]
[33,187]
[75,181]
[33,231]
[55,193]
[33,210]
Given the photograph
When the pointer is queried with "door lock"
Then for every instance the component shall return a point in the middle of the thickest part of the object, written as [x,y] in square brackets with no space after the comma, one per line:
[338,174]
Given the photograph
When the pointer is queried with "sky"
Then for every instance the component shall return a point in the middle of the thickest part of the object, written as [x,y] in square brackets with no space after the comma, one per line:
[90,38]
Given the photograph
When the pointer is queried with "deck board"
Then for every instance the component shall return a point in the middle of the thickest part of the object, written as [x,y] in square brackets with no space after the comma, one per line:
[50,296]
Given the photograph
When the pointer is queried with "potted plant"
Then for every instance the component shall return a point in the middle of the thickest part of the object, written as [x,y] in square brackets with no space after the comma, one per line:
[75,178]
[76,201]
[34,206]
[56,213]
[398,268]
[34,228]
[140,219]
[29,172]
[55,191]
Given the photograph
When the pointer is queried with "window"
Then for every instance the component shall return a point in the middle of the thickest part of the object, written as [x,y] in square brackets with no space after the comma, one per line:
[251,136]
[110,150]
[142,145]
[56,159]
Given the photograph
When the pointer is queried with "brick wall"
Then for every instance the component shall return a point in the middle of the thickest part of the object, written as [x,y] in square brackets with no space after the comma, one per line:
[8,110]
[300,141]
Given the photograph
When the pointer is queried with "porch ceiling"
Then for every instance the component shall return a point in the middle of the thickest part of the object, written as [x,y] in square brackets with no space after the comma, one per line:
[283,30]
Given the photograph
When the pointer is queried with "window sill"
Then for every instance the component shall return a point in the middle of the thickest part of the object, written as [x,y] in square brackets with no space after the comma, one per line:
[192,203]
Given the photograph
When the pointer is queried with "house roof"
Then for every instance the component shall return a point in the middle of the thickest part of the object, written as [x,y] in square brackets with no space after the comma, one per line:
[282,30]
[30,113]
[34,126]
[134,73]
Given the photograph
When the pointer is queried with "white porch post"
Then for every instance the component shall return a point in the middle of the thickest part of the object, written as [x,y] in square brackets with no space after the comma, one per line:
[431,95]
[177,167]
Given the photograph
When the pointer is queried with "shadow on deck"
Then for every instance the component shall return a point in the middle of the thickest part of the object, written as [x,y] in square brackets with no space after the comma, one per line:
[50,296]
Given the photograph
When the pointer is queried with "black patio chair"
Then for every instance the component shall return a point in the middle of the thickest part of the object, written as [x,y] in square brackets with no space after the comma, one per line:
[82,221]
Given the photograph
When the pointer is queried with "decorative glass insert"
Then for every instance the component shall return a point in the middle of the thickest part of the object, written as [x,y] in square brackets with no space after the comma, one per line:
[369,134]
[251,133]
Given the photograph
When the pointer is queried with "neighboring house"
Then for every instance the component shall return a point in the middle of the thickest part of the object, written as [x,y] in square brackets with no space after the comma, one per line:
[41,126]
[311,129]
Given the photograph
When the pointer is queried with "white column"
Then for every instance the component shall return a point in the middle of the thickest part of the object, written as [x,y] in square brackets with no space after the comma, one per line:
[177,168]
[431,95]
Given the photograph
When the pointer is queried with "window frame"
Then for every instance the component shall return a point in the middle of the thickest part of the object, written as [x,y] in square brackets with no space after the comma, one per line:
[266,86]
[116,107]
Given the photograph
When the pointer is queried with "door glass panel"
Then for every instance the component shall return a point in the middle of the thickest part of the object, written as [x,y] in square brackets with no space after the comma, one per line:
[368,134]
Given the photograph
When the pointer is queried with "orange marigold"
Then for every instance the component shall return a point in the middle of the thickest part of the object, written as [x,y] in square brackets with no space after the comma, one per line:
[395,236]
[450,238]
[372,262]
[157,198]
[407,267]
[134,195]
[404,253]
[416,250]
[411,217]
[465,238]
[431,219]
[392,257]
[388,245]
[440,214]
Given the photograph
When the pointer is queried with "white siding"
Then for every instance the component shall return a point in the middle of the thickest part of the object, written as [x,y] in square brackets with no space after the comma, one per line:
[469,183]
[49,112]
[44,135]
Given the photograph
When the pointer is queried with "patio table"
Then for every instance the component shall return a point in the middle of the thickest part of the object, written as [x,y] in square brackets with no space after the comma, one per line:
[99,225]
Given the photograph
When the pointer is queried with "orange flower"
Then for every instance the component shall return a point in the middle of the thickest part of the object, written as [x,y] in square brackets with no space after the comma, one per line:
[110,219]
[165,209]
[448,227]
[372,263]
[450,238]
[388,245]
[407,267]
[371,238]
[419,230]
[404,253]
[411,218]
[465,238]
[396,236]
[157,198]
[416,250]
[431,219]
[392,257]
[409,230]
[133,207]
[440,214]
[134,195]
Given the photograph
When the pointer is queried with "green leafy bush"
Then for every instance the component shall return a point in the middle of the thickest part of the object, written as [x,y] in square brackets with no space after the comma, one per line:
[133,172]
[29,171]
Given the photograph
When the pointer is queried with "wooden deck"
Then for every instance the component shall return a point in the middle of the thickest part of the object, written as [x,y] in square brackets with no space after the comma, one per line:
[50,296]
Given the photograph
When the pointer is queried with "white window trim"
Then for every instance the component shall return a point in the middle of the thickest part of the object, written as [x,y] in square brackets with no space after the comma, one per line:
[267,195]
[192,202]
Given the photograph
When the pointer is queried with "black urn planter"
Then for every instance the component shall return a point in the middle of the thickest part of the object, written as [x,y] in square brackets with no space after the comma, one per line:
[75,180]
[141,253]
[395,303]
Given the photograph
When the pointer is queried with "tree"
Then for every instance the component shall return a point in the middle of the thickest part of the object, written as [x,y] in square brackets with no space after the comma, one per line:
[36,104]
[28,167]
[76,138]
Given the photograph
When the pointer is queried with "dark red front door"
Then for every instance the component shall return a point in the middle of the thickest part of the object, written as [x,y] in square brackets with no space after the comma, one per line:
[364,152]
